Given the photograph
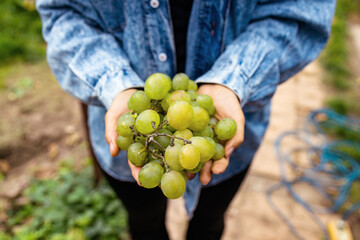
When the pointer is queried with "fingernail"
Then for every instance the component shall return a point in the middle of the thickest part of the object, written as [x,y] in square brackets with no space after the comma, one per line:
[229,152]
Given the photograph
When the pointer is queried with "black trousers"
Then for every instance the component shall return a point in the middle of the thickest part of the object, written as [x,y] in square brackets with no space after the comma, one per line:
[147,207]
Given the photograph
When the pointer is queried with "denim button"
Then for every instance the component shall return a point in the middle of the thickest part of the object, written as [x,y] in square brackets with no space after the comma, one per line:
[154,3]
[162,57]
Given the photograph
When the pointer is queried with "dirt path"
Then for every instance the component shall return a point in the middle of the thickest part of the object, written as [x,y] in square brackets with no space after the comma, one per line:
[250,215]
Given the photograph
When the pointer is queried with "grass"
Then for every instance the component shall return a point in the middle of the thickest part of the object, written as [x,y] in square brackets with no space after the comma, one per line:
[343,84]
[20,35]
[335,61]
[66,207]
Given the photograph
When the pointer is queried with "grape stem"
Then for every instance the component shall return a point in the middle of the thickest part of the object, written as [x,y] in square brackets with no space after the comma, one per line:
[154,141]
[162,158]
[154,127]
[156,105]
[163,124]
[175,137]
[150,138]
[133,131]
[157,155]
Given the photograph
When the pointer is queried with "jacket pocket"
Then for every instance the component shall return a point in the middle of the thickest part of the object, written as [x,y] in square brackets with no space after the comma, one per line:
[111,14]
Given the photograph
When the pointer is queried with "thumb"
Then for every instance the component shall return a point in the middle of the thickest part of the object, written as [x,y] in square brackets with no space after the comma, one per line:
[110,132]
[117,108]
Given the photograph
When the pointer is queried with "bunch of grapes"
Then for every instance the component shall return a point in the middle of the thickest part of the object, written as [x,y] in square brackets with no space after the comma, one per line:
[170,129]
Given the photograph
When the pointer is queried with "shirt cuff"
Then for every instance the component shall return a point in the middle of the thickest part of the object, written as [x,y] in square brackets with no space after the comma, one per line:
[115,81]
[238,85]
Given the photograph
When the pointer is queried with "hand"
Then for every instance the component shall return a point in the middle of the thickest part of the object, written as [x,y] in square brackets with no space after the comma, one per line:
[227,106]
[117,108]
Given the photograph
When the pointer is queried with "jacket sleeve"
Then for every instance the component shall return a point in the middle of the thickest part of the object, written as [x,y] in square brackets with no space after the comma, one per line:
[281,38]
[87,61]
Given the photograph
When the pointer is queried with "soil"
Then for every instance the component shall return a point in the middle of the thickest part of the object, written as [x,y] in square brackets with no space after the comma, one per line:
[39,128]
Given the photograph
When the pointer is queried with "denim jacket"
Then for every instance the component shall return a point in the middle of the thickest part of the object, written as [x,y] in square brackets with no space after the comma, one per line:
[98,48]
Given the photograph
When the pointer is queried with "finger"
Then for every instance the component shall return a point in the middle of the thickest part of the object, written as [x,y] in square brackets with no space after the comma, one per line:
[135,172]
[190,176]
[110,131]
[205,173]
[219,166]
[233,143]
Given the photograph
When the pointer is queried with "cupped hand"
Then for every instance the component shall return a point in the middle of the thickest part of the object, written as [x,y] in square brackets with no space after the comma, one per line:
[227,105]
[118,108]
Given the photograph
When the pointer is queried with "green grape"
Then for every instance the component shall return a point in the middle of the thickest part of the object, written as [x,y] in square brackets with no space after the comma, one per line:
[124,142]
[163,140]
[206,132]
[204,146]
[196,169]
[194,104]
[140,139]
[193,94]
[205,101]
[152,158]
[186,134]
[168,127]
[180,81]
[212,111]
[143,121]
[165,102]
[200,119]
[212,141]
[150,175]
[180,115]
[183,173]
[139,102]
[225,128]
[219,153]
[213,122]
[134,155]
[161,117]
[172,157]
[213,144]
[189,156]
[192,85]
[179,95]
[173,184]
[151,148]
[123,125]
[157,85]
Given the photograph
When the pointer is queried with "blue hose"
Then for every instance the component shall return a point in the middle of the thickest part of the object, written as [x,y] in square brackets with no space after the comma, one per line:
[331,167]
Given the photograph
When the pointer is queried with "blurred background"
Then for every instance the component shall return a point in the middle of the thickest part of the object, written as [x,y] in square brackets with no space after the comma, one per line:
[46,175]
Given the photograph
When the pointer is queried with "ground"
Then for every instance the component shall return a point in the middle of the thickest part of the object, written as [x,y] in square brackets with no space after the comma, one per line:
[45,126]
[38,129]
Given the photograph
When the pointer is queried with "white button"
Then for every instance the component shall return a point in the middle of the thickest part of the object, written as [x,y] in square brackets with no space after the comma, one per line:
[154,3]
[162,57]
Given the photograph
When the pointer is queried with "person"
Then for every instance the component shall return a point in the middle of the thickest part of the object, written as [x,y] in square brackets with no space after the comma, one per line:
[239,51]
